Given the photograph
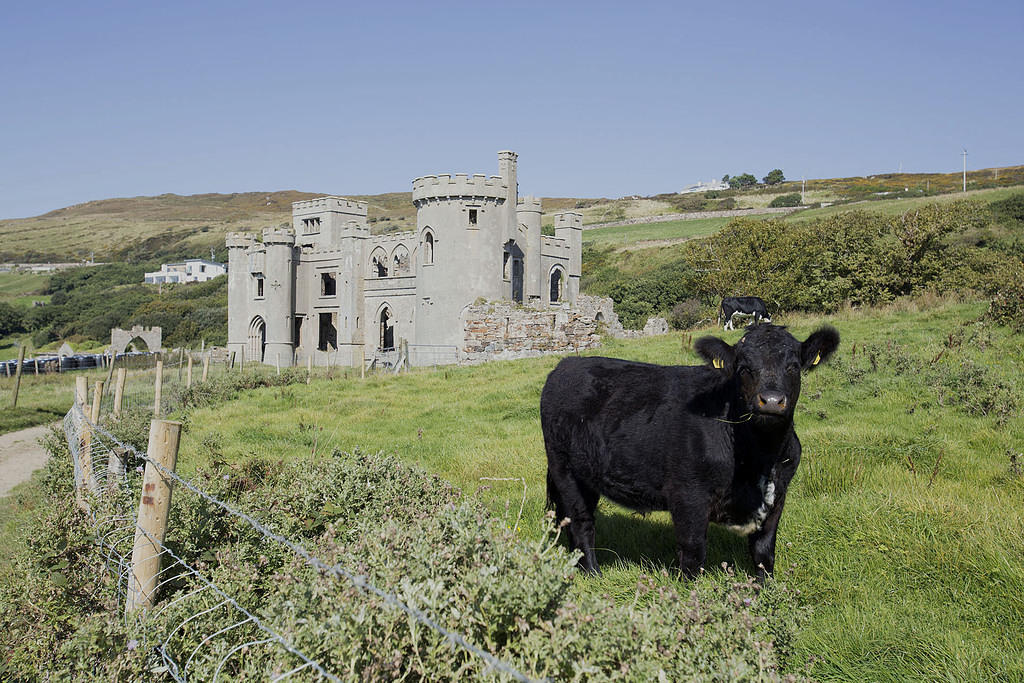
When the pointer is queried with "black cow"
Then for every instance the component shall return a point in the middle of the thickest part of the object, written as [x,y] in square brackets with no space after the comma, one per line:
[742,305]
[708,443]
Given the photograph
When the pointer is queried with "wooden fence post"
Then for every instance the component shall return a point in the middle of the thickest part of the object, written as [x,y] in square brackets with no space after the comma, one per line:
[17,374]
[158,388]
[279,364]
[97,397]
[362,363]
[154,508]
[85,452]
[122,375]
[309,368]
[110,366]
[188,374]
[206,367]
[241,361]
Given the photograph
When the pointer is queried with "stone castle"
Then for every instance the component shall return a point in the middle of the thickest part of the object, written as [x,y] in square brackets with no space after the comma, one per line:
[329,291]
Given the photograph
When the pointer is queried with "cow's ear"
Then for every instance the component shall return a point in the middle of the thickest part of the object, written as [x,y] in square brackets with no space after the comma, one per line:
[716,353]
[819,347]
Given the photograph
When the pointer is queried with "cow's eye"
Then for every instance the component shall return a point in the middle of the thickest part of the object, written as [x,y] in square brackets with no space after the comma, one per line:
[745,371]
[793,367]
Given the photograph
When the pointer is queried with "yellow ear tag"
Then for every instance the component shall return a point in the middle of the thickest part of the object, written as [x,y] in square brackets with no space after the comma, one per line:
[718,363]
[817,359]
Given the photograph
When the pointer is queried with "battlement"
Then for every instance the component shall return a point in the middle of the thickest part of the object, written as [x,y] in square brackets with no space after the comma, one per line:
[569,219]
[529,203]
[459,185]
[409,237]
[278,236]
[554,243]
[239,240]
[329,203]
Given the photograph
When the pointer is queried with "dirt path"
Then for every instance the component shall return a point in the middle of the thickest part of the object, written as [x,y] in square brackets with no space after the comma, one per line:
[20,456]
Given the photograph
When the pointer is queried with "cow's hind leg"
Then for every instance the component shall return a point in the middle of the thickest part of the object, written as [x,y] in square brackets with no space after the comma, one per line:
[578,502]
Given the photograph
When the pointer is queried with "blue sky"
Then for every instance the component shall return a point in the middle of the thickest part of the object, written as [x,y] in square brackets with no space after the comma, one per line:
[102,100]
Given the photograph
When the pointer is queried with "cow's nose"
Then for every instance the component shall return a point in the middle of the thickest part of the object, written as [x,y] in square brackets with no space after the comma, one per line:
[772,402]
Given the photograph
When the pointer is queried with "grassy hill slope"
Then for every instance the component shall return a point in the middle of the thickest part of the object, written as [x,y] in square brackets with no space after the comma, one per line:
[172,226]
[903,528]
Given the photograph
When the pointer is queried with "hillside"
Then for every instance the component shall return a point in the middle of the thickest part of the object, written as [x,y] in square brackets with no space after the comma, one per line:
[173,226]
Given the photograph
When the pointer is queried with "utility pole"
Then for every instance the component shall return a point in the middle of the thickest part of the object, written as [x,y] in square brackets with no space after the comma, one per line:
[803,184]
[964,154]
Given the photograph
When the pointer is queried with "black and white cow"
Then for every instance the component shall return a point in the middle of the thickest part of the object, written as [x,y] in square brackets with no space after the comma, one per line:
[748,306]
[708,443]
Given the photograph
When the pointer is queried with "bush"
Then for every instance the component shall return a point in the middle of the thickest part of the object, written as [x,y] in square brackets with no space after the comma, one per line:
[11,319]
[784,200]
[686,314]
[400,529]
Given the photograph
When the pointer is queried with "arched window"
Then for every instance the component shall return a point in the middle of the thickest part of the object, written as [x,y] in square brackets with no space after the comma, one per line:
[379,263]
[428,247]
[400,263]
[557,285]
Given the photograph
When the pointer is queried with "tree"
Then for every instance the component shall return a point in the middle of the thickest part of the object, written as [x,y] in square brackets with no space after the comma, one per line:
[11,319]
[743,180]
[774,177]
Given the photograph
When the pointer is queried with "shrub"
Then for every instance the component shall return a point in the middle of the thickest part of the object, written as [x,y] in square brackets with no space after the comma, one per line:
[686,314]
[11,319]
[400,529]
[784,200]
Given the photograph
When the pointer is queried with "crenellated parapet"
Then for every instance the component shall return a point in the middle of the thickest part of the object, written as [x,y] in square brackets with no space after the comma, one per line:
[329,203]
[239,240]
[529,203]
[569,219]
[408,237]
[448,186]
[278,236]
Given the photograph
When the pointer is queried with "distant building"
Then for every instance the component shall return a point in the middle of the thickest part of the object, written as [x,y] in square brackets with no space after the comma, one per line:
[705,187]
[191,270]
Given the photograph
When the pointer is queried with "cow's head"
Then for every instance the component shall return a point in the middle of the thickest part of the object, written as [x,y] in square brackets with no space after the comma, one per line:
[766,364]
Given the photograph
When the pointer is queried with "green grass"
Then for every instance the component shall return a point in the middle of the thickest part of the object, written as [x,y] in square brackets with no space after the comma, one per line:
[21,289]
[669,230]
[903,528]
[892,207]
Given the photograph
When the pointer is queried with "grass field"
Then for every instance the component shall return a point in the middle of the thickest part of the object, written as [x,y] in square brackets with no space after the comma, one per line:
[892,207]
[903,530]
[620,235]
[21,289]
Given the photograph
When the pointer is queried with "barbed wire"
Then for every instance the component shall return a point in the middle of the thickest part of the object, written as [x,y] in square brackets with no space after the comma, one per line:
[100,460]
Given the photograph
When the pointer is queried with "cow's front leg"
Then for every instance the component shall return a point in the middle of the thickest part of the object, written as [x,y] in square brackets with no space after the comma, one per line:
[690,519]
[762,541]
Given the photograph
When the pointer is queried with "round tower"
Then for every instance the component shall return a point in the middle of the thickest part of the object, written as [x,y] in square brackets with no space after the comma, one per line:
[239,274]
[528,215]
[279,293]
[462,221]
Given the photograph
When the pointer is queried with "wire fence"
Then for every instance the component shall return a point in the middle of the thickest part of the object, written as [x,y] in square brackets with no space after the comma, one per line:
[211,629]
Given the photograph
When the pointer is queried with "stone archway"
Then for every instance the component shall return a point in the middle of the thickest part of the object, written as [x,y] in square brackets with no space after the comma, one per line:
[257,340]
[151,336]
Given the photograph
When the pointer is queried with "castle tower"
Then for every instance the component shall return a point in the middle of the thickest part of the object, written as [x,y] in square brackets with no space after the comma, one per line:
[278,296]
[239,276]
[569,227]
[462,221]
[332,233]
[528,216]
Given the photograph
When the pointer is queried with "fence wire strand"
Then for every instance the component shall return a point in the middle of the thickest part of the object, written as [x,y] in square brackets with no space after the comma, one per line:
[95,452]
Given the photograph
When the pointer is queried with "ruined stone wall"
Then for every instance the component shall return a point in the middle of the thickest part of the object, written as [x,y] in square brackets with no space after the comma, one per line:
[505,331]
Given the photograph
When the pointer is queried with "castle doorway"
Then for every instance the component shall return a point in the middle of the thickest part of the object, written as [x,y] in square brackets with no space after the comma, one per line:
[257,340]
[513,270]
[387,330]
[557,285]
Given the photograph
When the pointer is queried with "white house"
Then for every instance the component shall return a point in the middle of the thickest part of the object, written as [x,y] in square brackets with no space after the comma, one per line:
[191,270]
